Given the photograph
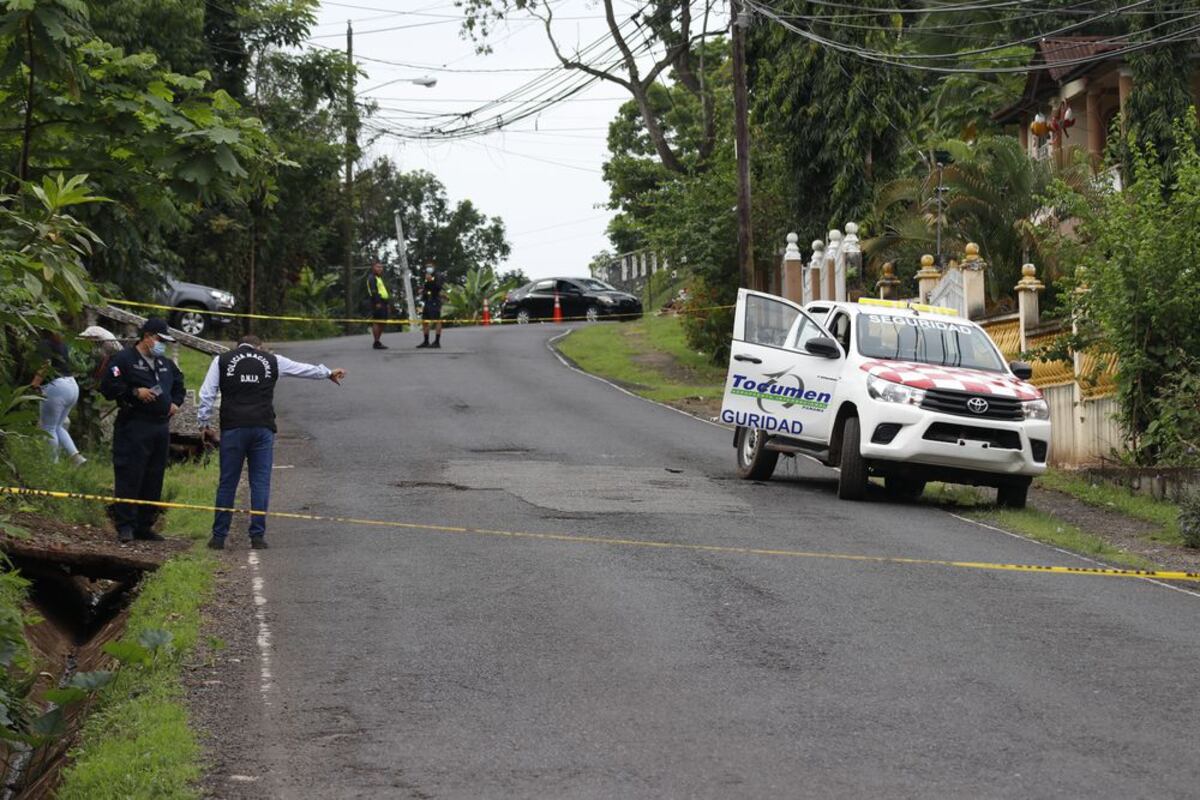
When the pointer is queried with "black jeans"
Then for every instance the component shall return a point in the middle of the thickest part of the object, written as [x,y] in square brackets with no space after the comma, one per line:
[139,460]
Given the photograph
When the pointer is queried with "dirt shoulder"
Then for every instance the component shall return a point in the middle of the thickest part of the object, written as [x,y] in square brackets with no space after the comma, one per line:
[1134,536]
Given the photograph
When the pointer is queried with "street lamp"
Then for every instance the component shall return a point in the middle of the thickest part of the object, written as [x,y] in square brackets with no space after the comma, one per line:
[942,158]
[428,81]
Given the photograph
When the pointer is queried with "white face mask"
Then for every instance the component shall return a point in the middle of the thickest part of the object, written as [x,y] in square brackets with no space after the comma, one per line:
[158,348]
[429,270]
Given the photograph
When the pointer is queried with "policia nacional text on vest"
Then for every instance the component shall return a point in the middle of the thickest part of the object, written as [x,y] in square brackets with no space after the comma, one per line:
[248,378]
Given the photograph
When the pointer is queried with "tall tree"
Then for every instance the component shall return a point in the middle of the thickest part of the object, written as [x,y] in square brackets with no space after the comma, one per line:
[670,31]
[840,120]
[454,237]
[156,142]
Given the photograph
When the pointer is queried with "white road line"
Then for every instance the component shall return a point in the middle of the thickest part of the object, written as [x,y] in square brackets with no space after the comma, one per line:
[264,630]
[1163,584]
[550,346]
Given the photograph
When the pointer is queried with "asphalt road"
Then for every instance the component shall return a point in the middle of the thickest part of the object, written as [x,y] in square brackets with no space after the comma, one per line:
[411,663]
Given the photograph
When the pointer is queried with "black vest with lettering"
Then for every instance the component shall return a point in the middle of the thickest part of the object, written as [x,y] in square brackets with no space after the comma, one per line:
[248,379]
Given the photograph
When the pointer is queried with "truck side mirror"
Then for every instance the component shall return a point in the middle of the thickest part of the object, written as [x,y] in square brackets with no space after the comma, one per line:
[823,346]
[1021,370]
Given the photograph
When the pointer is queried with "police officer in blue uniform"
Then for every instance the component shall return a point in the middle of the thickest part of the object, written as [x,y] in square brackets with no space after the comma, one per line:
[148,389]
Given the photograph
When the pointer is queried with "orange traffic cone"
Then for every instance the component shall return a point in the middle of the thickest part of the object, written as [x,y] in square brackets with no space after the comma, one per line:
[557,309]
[487,314]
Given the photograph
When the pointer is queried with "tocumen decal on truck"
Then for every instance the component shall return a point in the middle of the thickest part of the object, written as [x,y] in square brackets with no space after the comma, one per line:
[909,394]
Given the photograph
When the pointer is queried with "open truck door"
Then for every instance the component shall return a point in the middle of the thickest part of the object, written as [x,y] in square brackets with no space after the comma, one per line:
[782,378]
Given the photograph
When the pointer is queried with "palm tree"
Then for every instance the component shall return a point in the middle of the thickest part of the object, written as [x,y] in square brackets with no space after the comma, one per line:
[466,300]
[994,197]
[310,293]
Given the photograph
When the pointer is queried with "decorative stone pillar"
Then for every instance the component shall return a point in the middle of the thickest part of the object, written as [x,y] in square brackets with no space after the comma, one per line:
[974,273]
[850,259]
[812,286]
[1027,302]
[927,278]
[829,270]
[793,270]
[888,284]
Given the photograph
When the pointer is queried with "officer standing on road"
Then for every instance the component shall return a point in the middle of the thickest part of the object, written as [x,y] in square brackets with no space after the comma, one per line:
[245,377]
[148,389]
[380,301]
[431,307]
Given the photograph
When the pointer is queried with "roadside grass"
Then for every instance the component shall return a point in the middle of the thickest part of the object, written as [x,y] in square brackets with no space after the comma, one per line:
[29,466]
[138,742]
[612,350]
[973,503]
[1115,498]
[194,366]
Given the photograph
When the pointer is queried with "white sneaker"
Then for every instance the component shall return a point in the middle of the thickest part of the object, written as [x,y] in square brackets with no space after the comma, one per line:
[78,460]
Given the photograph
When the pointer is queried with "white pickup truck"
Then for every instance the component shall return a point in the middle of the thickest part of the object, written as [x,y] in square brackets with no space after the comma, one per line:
[907,393]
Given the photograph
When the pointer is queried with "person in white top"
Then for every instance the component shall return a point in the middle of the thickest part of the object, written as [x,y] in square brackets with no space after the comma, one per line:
[245,377]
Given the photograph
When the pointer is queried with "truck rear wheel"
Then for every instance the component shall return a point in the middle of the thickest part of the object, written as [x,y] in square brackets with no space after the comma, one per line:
[852,482]
[754,461]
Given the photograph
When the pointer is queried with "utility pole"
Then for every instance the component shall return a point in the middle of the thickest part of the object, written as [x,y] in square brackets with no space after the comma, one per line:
[351,148]
[409,305]
[741,19]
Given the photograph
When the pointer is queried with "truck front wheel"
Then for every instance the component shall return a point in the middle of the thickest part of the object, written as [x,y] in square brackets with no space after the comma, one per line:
[852,482]
[754,461]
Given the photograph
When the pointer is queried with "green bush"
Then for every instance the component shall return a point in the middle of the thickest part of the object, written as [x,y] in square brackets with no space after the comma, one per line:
[1135,251]
[707,322]
[1189,520]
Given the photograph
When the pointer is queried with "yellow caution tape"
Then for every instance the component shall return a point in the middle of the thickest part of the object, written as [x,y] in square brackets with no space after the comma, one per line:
[1111,572]
[368,321]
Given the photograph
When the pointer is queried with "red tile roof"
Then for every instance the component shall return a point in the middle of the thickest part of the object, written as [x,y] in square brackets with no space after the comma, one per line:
[1060,53]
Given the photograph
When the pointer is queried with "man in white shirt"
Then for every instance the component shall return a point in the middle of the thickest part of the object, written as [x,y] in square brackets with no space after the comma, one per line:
[245,377]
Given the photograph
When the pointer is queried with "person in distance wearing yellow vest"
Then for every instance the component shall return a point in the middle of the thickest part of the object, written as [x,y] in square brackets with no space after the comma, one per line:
[381,299]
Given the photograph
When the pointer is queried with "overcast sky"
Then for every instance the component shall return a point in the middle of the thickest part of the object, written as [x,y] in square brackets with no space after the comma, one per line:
[544,183]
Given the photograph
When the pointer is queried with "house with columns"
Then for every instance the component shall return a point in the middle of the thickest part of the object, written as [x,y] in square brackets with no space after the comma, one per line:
[1069,105]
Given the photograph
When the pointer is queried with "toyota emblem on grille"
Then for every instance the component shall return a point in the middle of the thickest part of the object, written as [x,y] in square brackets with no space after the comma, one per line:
[977,405]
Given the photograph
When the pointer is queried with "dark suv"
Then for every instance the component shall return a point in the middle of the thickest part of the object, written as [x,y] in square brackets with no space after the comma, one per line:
[579,298]
[194,298]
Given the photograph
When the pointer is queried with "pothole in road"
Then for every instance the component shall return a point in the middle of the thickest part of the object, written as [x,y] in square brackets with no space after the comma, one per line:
[501,451]
[457,487]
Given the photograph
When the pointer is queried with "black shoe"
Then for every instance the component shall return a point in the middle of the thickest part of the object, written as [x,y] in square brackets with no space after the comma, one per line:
[258,543]
[379,346]
[148,536]
[423,344]
[438,343]
[124,536]
[216,544]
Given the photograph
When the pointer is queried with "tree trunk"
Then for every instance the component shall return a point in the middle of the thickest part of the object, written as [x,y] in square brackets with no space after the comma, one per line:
[27,131]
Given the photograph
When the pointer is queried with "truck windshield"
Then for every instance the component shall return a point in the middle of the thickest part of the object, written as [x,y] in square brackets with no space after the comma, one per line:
[896,337]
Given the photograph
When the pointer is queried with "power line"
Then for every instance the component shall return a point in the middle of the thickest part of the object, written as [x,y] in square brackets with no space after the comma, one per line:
[905,61]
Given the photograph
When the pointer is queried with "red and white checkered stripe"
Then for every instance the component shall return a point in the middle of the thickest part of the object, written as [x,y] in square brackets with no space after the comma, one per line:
[959,379]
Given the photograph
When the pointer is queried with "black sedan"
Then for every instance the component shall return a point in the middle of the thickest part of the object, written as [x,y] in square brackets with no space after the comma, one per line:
[579,298]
